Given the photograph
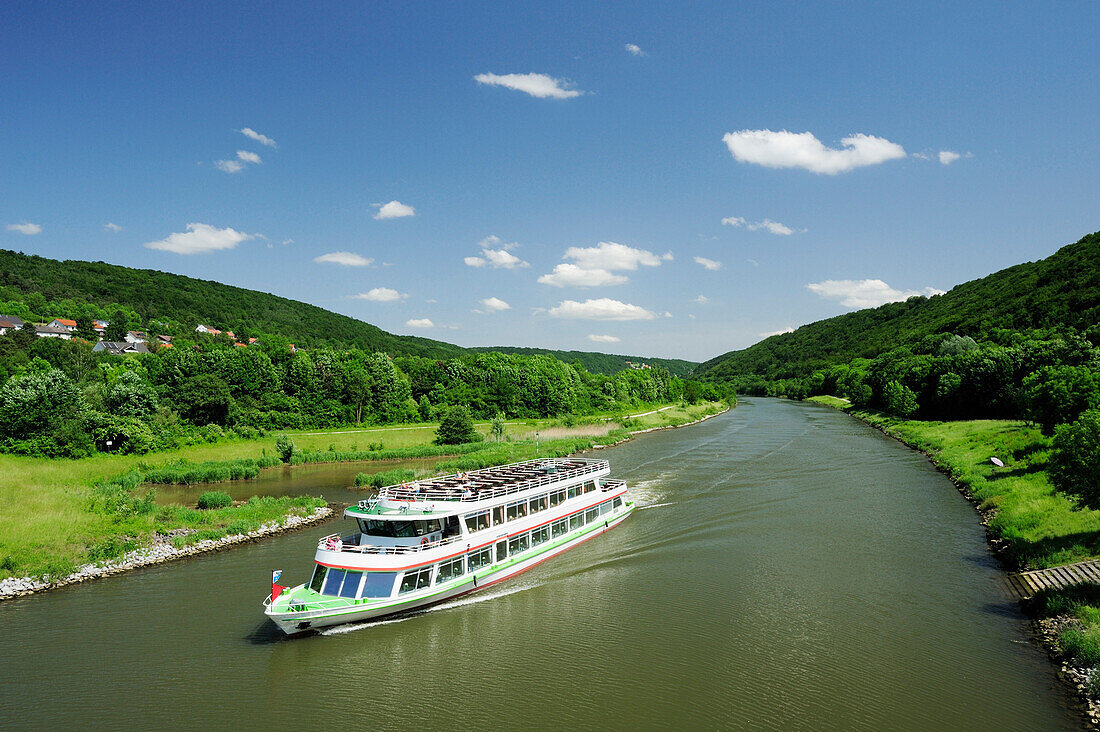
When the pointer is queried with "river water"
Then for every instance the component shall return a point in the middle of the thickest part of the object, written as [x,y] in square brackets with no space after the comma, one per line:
[788,568]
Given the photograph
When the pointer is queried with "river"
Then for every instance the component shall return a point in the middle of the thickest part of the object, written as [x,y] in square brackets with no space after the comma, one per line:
[788,567]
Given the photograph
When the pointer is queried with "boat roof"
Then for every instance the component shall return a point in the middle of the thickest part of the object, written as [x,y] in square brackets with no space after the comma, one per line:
[445,494]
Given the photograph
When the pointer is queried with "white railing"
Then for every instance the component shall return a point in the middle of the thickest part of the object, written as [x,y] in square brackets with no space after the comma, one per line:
[458,493]
[347,546]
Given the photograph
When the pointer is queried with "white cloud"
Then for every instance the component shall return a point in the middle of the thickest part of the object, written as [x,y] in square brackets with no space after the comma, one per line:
[498,258]
[228,166]
[493,305]
[785,149]
[262,139]
[394,210]
[768,225]
[570,275]
[199,239]
[249,157]
[753,262]
[634,50]
[347,259]
[865,293]
[769,334]
[537,85]
[710,264]
[948,156]
[611,256]
[667,257]
[419,323]
[701,299]
[603,338]
[25,228]
[381,294]
[112,227]
[601,309]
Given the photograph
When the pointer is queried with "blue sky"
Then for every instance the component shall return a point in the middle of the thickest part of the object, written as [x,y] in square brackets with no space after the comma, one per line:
[555,175]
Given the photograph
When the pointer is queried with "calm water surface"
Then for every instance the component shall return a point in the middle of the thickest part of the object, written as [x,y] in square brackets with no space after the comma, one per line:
[789,568]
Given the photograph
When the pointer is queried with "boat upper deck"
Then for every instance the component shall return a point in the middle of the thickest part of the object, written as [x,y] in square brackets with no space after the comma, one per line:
[480,485]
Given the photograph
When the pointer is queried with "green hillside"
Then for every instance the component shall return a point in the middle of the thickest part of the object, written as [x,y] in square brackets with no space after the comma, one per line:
[1063,289]
[599,363]
[50,288]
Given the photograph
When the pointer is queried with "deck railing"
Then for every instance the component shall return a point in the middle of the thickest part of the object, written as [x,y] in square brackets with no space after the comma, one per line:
[459,493]
[347,546]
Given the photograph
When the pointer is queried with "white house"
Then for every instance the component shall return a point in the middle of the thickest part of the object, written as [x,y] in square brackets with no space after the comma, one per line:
[66,323]
[50,331]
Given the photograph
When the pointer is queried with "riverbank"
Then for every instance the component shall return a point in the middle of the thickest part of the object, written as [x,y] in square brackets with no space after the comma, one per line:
[1029,525]
[162,550]
[63,515]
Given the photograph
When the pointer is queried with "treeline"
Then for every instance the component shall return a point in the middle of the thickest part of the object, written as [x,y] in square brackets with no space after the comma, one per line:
[58,398]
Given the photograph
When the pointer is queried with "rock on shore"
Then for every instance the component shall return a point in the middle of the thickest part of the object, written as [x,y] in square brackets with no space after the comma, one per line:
[161,551]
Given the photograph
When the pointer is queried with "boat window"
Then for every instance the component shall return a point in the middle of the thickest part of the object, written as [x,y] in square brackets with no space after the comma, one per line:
[416,579]
[591,514]
[590,486]
[318,578]
[480,558]
[350,587]
[450,569]
[502,551]
[401,529]
[333,581]
[558,528]
[605,507]
[378,584]
[576,521]
[517,509]
[538,503]
[574,491]
[477,521]
[519,544]
[617,502]
[557,497]
[540,535]
[498,515]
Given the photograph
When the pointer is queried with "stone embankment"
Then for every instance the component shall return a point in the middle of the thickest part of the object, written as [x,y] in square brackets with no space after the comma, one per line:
[1078,675]
[161,551]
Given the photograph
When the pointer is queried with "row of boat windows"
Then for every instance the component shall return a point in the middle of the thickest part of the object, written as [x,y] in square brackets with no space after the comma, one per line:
[481,520]
[354,584]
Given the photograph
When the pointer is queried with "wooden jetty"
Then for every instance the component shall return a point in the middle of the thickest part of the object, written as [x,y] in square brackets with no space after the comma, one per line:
[1026,584]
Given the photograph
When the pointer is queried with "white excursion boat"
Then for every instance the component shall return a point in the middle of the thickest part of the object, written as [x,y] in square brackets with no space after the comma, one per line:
[428,541]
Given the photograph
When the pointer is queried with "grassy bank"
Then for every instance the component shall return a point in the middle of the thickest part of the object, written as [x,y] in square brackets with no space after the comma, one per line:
[1034,524]
[58,514]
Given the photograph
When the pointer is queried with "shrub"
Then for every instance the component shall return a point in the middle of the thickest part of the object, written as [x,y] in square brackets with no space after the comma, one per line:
[899,399]
[284,448]
[1075,459]
[456,427]
[214,499]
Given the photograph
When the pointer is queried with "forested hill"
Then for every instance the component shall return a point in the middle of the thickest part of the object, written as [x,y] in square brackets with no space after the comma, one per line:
[49,288]
[1063,289]
[162,296]
[600,363]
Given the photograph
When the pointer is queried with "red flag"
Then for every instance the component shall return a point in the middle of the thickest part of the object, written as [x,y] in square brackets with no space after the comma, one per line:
[276,590]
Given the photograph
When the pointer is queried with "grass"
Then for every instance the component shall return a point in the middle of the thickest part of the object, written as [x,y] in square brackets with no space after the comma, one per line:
[830,401]
[50,523]
[1080,639]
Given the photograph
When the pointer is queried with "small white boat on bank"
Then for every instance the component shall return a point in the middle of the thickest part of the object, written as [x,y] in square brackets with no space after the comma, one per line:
[427,542]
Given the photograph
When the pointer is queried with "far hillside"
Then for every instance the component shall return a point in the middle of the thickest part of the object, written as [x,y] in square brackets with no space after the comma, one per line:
[1062,290]
[600,363]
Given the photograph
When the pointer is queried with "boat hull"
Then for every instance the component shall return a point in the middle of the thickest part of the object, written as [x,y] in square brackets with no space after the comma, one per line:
[294,623]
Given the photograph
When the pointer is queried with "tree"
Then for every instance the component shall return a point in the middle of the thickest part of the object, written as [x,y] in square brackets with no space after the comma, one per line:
[899,399]
[37,403]
[1075,460]
[205,399]
[117,328]
[131,396]
[496,426]
[358,391]
[425,408]
[1058,394]
[456,427]
[284,446]
[85,328]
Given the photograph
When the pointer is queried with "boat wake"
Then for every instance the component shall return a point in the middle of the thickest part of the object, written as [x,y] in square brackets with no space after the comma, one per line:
[649,493]
[656,505]
[447,605]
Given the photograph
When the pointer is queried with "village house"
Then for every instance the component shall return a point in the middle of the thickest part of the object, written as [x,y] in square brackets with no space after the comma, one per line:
[9,322]
[119,348]
[51,331]
[207,329]
[136,336]
[66,323]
